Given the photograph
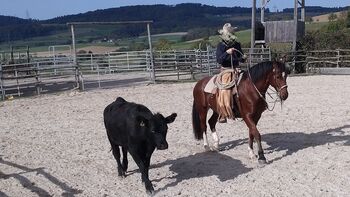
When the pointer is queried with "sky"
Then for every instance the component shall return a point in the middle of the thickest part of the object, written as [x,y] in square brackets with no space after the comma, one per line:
[46,9]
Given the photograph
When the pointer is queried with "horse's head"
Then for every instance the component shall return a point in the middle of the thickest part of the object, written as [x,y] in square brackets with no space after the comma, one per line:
[278,79]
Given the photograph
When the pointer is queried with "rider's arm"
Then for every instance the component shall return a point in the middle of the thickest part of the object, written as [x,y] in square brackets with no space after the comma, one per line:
[239,54]
[221,55]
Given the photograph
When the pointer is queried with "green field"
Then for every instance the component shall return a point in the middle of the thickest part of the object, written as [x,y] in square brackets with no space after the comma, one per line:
[92,36]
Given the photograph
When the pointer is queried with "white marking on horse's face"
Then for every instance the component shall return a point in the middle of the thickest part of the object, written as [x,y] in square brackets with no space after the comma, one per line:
[284,75]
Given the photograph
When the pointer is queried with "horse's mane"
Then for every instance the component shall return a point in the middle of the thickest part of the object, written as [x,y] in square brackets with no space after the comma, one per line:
[261,69]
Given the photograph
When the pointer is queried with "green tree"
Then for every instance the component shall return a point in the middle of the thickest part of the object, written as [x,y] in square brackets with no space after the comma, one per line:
[163,44]
[202,44]
[348,20]
[332,17]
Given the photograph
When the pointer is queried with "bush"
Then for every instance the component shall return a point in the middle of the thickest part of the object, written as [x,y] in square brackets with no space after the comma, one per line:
[163,44]
[333,36]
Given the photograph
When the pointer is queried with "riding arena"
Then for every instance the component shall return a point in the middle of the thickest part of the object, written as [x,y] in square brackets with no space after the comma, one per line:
[290,135]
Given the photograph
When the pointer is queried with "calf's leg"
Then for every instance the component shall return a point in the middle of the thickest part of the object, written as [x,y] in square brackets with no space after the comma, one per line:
[143,166]
[116,154]
[125,159]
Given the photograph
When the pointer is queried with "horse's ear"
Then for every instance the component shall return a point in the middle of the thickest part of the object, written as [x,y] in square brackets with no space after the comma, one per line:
[283,58]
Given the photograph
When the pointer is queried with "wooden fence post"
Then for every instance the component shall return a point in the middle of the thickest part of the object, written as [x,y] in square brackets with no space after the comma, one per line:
[338,57]
[37,74]
[1,84]
[208,59]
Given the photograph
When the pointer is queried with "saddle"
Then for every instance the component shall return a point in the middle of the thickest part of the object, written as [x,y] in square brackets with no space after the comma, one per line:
[223,85]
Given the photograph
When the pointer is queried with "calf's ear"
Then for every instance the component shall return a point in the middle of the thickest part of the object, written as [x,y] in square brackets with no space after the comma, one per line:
[170,118]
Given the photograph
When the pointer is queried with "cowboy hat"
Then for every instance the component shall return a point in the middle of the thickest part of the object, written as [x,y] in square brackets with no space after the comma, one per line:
[227,33]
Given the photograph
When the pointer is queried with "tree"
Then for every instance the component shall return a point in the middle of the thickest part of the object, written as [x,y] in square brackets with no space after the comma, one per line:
[202,44]
[348,20]
[332,17]
[163,44]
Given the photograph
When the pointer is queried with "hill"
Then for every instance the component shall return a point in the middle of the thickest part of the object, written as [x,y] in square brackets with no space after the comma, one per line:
[13,28]
[325,17]
[188,17]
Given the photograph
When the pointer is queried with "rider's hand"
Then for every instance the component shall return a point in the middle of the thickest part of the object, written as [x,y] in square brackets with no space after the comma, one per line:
[230,50]
[244,57]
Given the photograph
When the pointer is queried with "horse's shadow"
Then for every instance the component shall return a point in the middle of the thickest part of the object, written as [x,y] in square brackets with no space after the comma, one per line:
[30,185]
[204,164]
[296,141]
[225,168]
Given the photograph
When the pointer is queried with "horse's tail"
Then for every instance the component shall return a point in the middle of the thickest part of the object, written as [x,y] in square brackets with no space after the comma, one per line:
[197,131]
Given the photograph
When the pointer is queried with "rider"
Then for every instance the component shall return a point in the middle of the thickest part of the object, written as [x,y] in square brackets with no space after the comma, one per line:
[228,54]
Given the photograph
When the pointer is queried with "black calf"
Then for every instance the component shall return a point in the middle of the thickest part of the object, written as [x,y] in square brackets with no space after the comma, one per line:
[138,131]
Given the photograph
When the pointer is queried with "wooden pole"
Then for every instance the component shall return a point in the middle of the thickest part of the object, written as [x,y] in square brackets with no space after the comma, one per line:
[153,76]
[303,10]
[75,56]
[262,11]
[1,84]
[295,25]
[252,36]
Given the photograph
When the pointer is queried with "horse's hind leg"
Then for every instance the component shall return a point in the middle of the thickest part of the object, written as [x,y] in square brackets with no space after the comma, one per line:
[212,122]
[203,119]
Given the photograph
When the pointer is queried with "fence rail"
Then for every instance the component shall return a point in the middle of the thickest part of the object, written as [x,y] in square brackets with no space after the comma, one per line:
[41,72]
[314,61]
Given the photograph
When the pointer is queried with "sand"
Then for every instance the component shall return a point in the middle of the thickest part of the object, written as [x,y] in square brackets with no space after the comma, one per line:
[56,145]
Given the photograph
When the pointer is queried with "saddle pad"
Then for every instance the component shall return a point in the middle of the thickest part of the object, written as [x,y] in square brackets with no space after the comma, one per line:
[211,87]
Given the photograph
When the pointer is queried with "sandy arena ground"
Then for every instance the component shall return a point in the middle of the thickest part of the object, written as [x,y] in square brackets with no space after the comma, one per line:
[56,145]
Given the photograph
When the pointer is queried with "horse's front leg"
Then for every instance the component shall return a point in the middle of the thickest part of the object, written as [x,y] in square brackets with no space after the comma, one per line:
[253,131]
[212,122]
[250,147]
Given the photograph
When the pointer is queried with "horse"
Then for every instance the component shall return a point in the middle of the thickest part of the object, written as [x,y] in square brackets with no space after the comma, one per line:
[249,102]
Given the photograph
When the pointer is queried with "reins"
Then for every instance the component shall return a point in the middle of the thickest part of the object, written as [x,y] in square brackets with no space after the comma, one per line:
[261,96]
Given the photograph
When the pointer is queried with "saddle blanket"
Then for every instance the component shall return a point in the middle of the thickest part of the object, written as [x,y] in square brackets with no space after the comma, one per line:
[211,87]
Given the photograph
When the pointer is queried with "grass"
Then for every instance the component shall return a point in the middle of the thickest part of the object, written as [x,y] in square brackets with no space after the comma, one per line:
[85,35]
[315,26]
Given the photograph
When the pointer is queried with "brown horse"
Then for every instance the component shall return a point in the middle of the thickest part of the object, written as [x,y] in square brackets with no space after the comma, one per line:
[249,104]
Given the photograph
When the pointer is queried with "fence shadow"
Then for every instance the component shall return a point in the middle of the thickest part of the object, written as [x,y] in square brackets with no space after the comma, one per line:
[201,165]
[30,185]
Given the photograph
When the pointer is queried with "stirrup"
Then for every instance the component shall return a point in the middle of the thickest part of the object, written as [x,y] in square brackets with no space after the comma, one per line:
[222,120]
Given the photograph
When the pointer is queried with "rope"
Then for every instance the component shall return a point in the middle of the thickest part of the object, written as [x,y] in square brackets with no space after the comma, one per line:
[221,85]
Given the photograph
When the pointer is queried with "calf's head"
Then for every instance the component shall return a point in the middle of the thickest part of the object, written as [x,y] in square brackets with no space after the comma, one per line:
[160,128]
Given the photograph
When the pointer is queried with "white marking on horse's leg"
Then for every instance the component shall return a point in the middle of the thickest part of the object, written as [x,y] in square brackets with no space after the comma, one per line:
[251,153]
[205,139]
[216,140]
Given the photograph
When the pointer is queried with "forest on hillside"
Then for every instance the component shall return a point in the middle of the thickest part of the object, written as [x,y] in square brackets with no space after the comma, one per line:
[187,17]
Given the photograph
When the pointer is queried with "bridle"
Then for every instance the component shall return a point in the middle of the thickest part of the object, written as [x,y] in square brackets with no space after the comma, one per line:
[282,87]
[278,99]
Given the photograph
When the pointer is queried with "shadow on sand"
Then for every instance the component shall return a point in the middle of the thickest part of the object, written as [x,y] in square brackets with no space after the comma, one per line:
[225,168]
[203,164]
[30,185]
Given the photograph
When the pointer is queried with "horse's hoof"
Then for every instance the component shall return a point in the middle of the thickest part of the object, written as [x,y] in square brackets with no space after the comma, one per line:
[215,147]
[252,156]
[207,148]
[150,191]
[262,161]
